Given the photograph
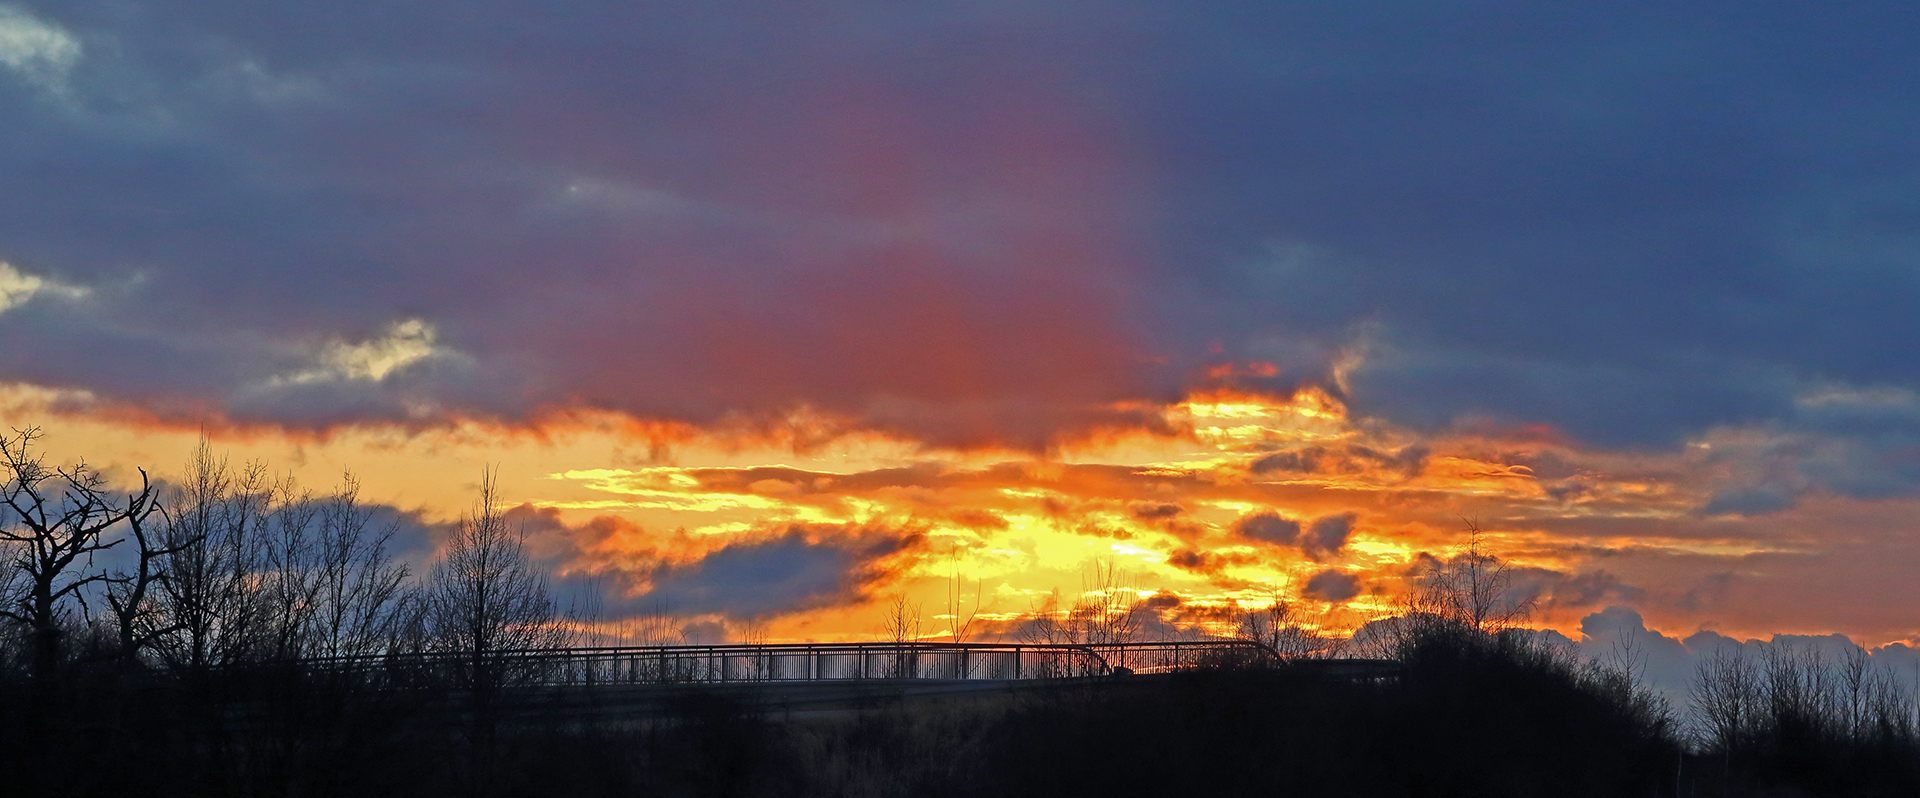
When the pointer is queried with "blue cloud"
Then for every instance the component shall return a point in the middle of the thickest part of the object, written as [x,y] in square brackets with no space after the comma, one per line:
[771,577]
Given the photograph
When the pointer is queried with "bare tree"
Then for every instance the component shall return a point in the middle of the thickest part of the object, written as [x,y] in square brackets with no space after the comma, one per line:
[1043,625]
[140,620]
[902,622]
[1856,690]
[902,626]
[1725,698]
[1799,695]
[243,582]
[196,587]
[58,520]
[1276,627]
[960,628]
[289,577]
[1105,614]
[211,590]
[1473,589]
[486,596]
[359,588]
[259,569]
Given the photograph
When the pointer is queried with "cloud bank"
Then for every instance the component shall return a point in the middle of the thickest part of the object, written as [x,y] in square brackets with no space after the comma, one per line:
[976,225]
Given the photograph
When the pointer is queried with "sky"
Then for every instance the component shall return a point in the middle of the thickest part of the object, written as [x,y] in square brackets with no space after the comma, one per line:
[771,313]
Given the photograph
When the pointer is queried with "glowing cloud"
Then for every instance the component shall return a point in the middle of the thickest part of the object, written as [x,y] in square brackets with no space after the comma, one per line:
[18,287]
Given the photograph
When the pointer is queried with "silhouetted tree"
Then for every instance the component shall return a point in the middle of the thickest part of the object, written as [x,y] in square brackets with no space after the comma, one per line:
[1464,600]
[486,596]
[139,619]
[1276,628]
[359,588]
[1106,613]
[289,577]
[217,531]
[901,626]
[58,520]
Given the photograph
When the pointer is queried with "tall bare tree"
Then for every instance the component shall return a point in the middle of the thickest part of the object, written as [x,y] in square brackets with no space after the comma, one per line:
[1473,589]
[359,586]
[901,626]
[960,627]
[58,519]
[139,620]
[217,528]
[487,596]
[1105,613]
[289,578]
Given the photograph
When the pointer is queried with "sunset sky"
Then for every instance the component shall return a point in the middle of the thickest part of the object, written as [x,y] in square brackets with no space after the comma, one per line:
[769,312]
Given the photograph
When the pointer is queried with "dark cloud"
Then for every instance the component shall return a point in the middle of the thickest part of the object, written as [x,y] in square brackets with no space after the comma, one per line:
[784,230]
[1160,602]
[1581,590]
[985,224]
[1328,534]
[705,633]
[1332,586]
[1345,459]
[1851,443]
[1549,591]
[792,572]
[1208,562]
[1323,538]
[1748,501]
[766,572]
[1463,180]
[1268,527]
[1153,512]
[1191,560]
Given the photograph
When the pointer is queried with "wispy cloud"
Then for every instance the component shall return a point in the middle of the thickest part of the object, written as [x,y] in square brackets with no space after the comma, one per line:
[35,50]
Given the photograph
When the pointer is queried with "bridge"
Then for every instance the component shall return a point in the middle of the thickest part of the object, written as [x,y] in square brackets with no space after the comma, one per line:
[797,662]
[798,679]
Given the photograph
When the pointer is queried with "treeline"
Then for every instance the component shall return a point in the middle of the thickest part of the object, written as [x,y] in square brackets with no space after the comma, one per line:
[1794,715]
[179,640]
[235,567]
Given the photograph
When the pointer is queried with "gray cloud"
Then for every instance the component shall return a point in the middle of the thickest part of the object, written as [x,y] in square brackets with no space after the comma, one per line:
[776,570]
[1636,225]
[1268,527]
[1346,459]
[1331,585]
[775,576]
[1328,534]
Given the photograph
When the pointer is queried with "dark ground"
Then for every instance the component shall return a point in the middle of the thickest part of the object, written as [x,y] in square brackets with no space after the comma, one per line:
[1479,719]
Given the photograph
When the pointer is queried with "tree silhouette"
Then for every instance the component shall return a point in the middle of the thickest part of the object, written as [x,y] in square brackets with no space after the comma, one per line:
[486,596]
[58,519]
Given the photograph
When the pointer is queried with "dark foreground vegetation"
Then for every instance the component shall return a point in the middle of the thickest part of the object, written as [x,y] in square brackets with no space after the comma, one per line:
[177,643]
[1471,714]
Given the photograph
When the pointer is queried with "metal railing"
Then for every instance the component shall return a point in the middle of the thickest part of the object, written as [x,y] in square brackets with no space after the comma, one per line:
[791,662]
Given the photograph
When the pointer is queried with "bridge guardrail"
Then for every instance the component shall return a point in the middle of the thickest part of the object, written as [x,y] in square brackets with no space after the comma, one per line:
[636,665]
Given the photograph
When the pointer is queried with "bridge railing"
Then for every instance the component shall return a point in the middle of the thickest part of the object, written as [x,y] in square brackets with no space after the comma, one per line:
[787,662]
